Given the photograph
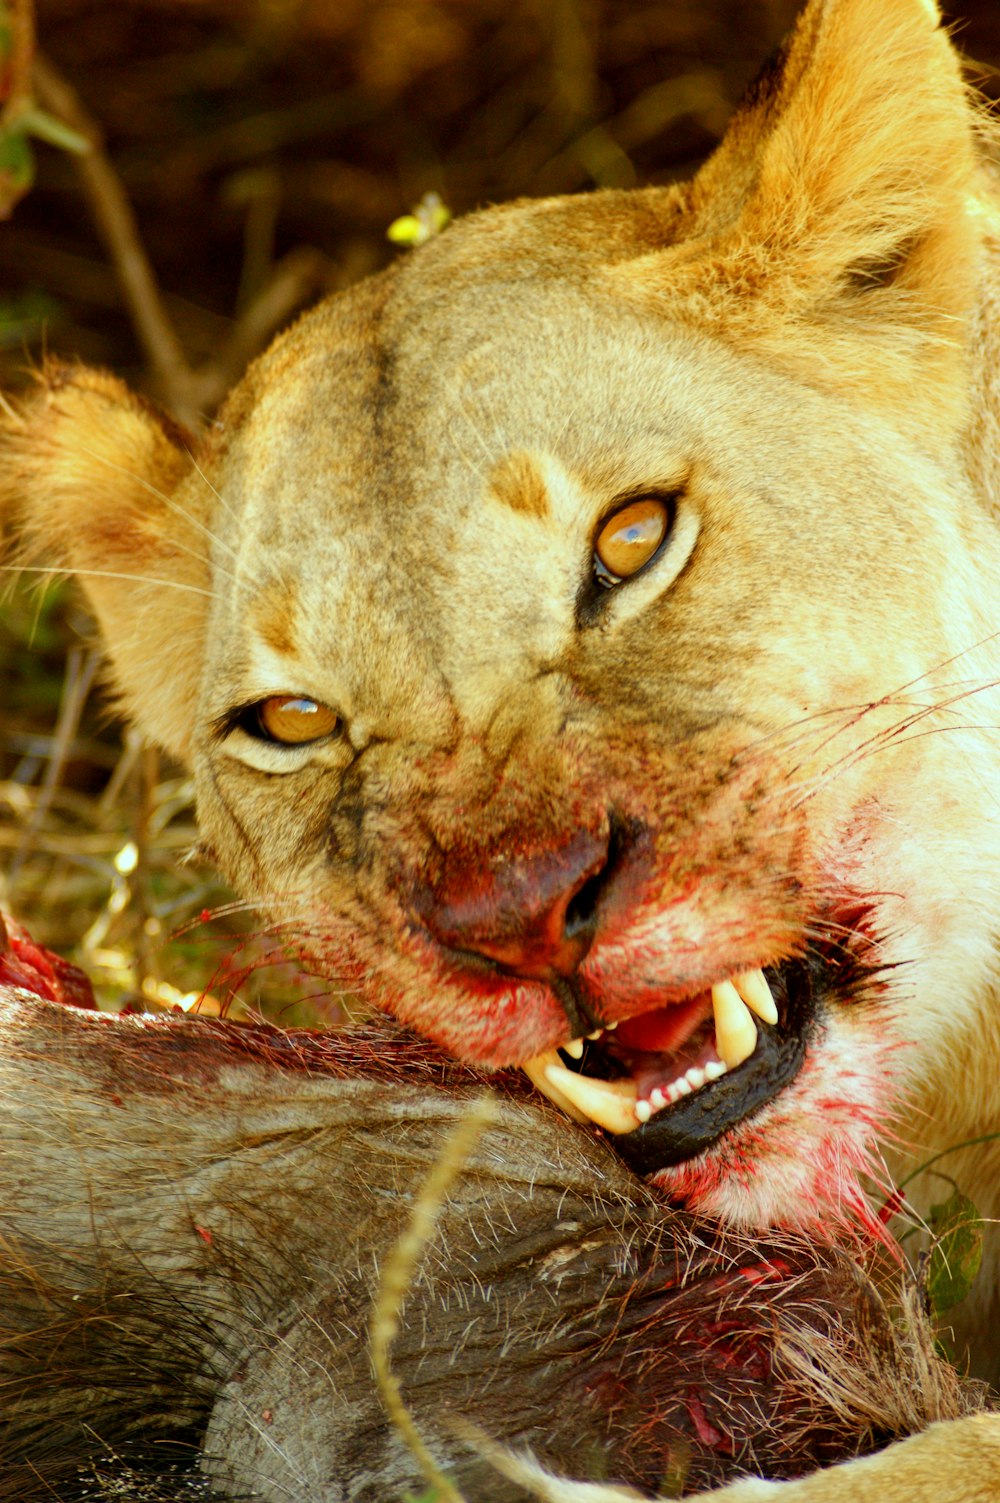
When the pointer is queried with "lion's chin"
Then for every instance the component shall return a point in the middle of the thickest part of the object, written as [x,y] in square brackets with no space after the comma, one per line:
[672,1081]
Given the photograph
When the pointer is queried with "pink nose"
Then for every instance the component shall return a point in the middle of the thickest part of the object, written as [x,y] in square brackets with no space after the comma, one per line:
[535,915]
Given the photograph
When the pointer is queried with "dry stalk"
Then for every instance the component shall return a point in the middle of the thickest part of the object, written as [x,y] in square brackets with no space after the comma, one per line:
[397,1278]
[81,669]
[116,223]
[187,391]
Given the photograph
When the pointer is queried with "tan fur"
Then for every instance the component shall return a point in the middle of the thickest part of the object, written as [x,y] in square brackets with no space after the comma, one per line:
[791,715]
[958,1462]
[85,439]
[516,482]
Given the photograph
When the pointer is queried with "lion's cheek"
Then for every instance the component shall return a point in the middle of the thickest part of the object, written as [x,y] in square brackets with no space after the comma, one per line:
[797,1162]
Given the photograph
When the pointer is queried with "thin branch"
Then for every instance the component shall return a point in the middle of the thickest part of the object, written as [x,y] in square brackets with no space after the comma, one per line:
[81,668]
[187,391]
[116,223]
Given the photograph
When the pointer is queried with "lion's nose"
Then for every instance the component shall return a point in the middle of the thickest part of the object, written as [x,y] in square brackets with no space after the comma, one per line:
[535,915]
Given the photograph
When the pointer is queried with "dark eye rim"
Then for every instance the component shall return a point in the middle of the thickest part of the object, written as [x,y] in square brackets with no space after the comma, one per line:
[602,575]
[247,718]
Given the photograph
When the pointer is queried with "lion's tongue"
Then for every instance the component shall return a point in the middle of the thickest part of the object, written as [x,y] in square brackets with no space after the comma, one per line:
[664,1029]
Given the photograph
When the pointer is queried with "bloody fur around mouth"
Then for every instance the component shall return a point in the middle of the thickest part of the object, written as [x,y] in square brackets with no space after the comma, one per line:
[699,1099]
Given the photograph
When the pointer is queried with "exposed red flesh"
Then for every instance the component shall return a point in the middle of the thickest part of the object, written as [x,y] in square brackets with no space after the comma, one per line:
[35,969]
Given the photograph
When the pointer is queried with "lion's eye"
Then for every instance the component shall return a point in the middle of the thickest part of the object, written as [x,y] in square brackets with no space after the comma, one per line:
[630,537]
[291,719]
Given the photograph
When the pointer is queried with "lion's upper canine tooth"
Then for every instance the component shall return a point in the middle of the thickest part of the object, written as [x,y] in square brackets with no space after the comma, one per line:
[753,988]
[609,1103]
[574,1048]
[735,1029]
[536,1068]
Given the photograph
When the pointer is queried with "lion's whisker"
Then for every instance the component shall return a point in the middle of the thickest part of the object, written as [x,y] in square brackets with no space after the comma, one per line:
[169,502]
[52,571]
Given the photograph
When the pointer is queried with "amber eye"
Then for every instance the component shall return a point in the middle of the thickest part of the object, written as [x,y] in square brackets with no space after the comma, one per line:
[293,720]
[629,538]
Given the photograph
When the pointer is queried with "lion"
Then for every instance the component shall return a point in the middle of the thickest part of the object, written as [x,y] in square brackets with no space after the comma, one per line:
[584,636]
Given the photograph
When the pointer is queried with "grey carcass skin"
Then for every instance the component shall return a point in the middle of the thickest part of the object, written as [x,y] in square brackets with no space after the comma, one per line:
[194,1218]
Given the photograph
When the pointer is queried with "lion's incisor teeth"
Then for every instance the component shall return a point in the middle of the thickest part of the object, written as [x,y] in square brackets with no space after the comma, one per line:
[574,1048]
[535,1070]
[735,1029]
[609,1103]
[753,988]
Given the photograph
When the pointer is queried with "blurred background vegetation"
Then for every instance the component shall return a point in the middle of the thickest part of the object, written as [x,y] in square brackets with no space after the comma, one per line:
[246,157]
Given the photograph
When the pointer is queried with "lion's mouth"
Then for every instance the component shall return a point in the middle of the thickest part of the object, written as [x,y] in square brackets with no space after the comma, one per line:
[670,1082]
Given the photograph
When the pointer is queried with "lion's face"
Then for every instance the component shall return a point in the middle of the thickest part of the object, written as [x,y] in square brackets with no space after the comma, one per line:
[594,657]
[548,815]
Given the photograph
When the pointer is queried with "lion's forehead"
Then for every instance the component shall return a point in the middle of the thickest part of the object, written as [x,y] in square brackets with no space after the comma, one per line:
[417,485]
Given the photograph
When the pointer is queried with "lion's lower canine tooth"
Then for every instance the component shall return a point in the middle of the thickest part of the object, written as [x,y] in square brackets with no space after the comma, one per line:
[735,1029]
[609,1103]
[753,988]
[535,1070]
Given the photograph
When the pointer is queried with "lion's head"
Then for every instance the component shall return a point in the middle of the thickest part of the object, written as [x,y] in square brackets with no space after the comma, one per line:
[569,628]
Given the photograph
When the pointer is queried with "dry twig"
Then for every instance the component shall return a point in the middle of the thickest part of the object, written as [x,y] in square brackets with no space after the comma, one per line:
[187,391]
[117,225]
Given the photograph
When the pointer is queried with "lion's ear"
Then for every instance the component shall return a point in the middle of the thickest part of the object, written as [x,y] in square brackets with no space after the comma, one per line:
[839,210]
[89,476]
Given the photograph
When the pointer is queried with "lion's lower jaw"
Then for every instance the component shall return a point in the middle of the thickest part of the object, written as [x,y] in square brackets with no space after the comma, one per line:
[809,1159]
